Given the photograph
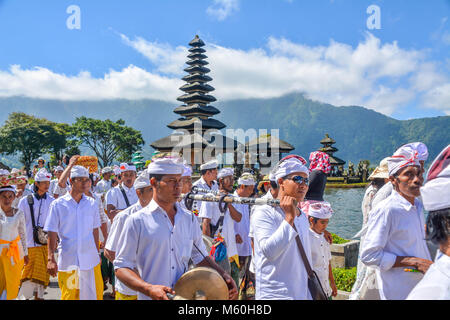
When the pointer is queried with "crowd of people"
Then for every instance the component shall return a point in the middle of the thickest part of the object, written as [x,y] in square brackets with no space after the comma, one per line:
[134,231]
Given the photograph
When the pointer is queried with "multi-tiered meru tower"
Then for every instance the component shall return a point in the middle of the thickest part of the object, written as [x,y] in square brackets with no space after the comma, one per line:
[196,112]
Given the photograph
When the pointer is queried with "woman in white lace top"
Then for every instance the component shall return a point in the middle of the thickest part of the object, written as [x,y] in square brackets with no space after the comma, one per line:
[13,248]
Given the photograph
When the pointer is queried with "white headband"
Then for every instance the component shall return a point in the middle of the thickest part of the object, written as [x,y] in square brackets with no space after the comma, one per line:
[421,148]
[79,172]
[405,156]
[320,210]
[436,191]
[168,165]
[225,172]
[107,170]
[213,164]
[11,188]
[42,175]
[187,171]
[289,166]
[142,181]
[126,167]
[246,180]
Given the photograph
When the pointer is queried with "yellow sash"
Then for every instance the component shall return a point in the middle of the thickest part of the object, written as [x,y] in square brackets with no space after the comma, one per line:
[13,249]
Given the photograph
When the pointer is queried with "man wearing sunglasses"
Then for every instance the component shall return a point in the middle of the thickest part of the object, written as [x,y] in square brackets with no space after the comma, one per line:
[279,269]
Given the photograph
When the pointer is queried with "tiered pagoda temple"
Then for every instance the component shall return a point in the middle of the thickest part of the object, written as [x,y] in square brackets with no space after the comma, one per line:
[328,148]
[196,112]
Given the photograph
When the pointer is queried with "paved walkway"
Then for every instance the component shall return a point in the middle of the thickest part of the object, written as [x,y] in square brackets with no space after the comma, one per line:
[53,292]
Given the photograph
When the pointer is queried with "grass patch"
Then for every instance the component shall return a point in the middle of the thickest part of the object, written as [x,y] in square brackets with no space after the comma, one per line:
[344,278]
[338,240]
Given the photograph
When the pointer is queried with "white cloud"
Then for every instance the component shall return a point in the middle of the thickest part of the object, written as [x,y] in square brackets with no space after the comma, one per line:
[130,83]
[381,76]
[439,98]
[221,9]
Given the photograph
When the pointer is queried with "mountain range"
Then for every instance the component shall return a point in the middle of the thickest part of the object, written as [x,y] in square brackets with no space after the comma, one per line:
[360,133]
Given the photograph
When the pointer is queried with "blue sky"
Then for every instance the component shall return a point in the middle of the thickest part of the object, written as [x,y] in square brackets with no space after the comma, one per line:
[322,48]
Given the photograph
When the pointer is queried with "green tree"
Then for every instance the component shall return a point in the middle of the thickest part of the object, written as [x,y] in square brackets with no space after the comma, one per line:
[108,139]
[31,137]
[70,145]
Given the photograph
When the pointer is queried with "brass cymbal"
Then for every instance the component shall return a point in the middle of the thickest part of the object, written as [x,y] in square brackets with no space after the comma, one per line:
[201,283]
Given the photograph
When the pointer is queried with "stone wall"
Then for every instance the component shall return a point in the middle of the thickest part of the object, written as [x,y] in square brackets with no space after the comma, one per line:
[345,255]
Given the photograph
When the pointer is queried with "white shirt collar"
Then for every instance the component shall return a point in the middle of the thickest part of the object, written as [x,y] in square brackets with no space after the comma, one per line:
[69,197]
[125,187]
[202,181]
[405,203]
[153,206]
[315,234]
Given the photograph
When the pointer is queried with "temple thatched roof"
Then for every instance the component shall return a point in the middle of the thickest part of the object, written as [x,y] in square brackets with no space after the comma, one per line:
[270,142]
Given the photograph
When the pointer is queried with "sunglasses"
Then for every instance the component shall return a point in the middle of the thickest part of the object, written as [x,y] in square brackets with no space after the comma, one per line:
[300,180]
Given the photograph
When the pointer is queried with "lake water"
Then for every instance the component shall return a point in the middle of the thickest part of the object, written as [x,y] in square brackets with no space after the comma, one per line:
[347,217]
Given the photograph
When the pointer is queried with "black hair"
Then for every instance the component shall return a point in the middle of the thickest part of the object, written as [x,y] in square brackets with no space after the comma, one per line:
[158,177]
[273,184]
[315,220]
[378,183]
[438,226]
[205,171]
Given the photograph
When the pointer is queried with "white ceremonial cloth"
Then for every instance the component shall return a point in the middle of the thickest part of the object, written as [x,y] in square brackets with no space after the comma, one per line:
[113,239]
[201,183]
[115,197]
[103,186]
[395,228]
[211,211]
[159,250]
[52,188]
[41,209]
[279,270]
[242,228]
[268,195]
[321,256]
[16,201]
[62,191]
[75,222]
[382,194]
[435,285]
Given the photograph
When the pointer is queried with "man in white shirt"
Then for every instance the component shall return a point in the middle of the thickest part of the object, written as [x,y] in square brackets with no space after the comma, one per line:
[186,187]
[271,194]
[159,240]
[386,190]
[63,186]
[246,184]
[395,238]
[279,269]
[207,181]
[319,214]
[74,218]
[435,285]
[22,190]
[217,224]
[34,276]
[104,185]
[54,183]
[124,195]
[144,192]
